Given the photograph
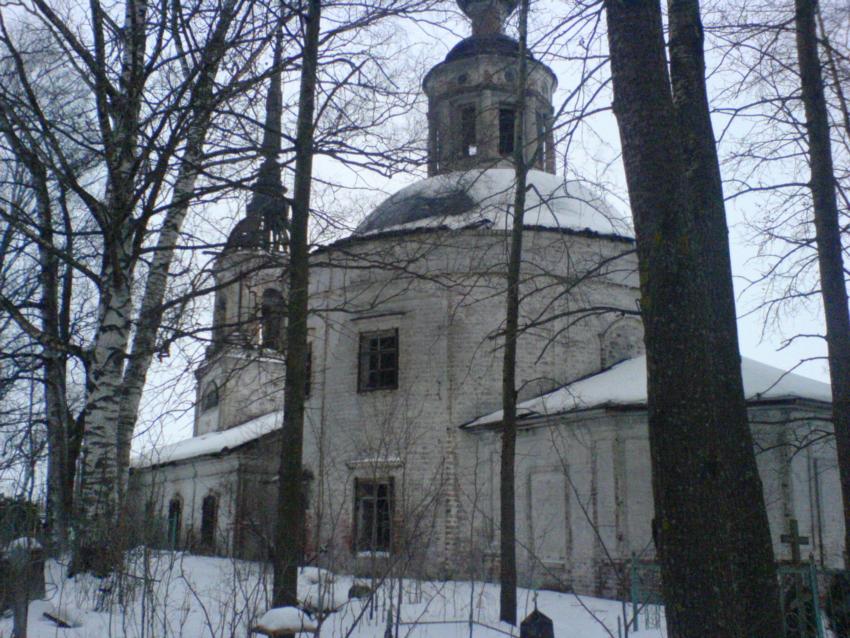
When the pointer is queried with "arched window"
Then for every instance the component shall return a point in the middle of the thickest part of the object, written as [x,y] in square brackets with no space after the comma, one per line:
[621,340]
[219,317]
[175,516]
[209,399]
[209,520]
[272,318]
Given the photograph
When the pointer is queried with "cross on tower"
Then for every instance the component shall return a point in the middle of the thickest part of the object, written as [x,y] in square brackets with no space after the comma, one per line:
[794,539]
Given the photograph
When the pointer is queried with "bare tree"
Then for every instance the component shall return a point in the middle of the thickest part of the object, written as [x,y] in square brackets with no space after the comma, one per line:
[290,519]
[149,124]
[701,533]
[828,236]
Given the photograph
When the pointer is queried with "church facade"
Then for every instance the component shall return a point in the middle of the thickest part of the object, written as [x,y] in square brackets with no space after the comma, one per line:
[402,442]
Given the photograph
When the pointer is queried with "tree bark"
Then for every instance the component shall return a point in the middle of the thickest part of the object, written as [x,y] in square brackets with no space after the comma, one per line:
[688,385]
[289,535]
[828,239]
[747,533]
[507,478]
[99,481]
[156,284]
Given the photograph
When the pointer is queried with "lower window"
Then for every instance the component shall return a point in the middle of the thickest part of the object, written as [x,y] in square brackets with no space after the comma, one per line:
[373,508]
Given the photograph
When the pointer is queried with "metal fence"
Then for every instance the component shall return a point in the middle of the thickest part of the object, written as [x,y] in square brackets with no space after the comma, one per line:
[815,600]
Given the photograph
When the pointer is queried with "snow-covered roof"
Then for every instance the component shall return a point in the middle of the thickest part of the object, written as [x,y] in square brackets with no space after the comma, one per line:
[485,197]
[625,385]
[211,442]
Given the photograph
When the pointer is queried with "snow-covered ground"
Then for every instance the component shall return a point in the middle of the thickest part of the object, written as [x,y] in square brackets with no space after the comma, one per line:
[167,594]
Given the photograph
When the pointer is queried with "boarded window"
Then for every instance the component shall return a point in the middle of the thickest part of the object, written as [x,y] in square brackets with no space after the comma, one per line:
[209,520]
[378,366]
[548,514]
[175,516]
[469,145]
[373,508]
[507,117]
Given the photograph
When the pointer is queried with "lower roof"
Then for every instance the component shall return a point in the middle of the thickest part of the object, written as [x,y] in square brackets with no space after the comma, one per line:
[211,443]
[624,385]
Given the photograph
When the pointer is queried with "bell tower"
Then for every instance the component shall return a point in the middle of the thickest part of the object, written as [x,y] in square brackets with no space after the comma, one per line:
[472,98]
[242,374]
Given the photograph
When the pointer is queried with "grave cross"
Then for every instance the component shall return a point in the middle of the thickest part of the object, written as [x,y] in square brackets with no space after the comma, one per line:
[794,539]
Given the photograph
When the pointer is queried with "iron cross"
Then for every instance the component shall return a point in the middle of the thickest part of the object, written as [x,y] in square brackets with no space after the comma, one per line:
[795,540]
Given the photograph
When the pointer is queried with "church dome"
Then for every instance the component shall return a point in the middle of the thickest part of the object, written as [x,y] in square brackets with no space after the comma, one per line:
[484,198]
[490,44]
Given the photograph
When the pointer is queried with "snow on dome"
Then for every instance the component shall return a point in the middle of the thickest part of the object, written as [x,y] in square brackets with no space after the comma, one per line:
[625,384]
[211,442]
[485,198]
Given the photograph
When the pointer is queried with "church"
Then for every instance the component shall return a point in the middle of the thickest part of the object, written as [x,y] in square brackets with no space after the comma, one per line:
[402,424]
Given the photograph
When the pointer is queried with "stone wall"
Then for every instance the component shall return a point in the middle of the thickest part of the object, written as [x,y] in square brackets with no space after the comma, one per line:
[584,492]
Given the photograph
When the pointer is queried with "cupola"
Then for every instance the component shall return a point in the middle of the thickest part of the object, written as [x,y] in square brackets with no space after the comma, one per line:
[472,98]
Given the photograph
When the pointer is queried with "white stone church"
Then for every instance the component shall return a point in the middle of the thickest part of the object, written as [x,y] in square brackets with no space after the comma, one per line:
[402,420]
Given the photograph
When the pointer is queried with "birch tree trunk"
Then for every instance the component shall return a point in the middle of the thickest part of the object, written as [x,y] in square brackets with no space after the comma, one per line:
[150,313]
[828,239]
[99,485]
[289,536]
[691,456]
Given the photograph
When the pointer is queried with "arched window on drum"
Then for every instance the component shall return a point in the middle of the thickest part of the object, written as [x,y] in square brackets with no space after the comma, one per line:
[272,313]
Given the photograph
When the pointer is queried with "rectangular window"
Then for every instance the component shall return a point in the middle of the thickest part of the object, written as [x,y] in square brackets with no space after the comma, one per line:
[468,140]
[373,513]
[507,117]
[378,365]
[209,521]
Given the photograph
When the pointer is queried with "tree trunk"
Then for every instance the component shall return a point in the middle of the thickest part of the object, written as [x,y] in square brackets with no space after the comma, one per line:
[828,238]
[156,284]
[97,547]
[291,507]
[754,587]
[507,482]
[688,390]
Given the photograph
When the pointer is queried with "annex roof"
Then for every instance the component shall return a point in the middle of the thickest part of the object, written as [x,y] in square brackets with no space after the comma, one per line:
[485,198]
[211,442]
[625,385]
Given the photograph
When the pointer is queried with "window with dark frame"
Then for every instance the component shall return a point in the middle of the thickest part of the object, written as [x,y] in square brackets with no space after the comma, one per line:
[542,140]
[507,119]
[209,400]
[272,314]
[378,361]
[209,520]
[373,513]
[175,516]
[468,139]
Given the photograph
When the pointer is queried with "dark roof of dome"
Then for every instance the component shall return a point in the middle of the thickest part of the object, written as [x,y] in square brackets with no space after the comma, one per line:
[496,43]
[485,198]
[406,208]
